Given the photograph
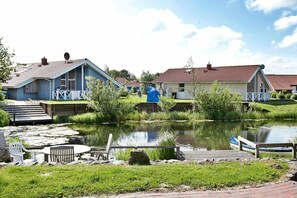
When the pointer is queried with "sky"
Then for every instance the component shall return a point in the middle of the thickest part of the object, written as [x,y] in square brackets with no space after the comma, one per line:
[154,35]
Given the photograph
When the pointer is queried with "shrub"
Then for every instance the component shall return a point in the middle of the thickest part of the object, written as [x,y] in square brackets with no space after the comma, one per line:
[218,102]
[4,118]
[179,115]
[166,104]
[288,96]
[105,98]
[294,96]
[281,95]
[273,94]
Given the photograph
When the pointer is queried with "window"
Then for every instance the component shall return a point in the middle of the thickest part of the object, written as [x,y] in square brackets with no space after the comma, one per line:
[63,82]
[181,87]
[31,88]
[71,80]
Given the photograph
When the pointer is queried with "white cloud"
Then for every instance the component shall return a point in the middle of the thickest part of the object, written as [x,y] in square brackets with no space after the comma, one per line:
[289,41]
[285,22]
[269,5]
[148,39]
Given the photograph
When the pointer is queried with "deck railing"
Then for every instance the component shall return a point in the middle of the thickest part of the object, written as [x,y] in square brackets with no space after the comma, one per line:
[69,95]
[257,146]
[257,96]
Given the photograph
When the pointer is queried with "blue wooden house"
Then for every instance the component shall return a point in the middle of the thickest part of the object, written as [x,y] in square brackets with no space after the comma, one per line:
[60,80]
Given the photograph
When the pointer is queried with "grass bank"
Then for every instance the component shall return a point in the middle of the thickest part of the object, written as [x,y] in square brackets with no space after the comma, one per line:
[86,180]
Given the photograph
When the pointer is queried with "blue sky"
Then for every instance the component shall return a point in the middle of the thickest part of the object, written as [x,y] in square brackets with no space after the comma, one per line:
[154,35]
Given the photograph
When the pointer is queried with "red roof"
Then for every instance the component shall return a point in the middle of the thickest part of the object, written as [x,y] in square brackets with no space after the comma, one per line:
[124,81]
[282,82]
[243,73]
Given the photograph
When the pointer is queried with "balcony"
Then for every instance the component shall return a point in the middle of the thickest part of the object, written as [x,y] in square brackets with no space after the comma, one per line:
[257,96]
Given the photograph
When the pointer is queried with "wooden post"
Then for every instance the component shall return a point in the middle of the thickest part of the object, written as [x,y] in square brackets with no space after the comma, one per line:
[4,153]
[240,145]
[257,151]
[177,152]
[294,150]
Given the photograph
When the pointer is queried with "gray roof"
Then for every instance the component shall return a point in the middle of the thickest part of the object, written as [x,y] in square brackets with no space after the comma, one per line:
[52,70]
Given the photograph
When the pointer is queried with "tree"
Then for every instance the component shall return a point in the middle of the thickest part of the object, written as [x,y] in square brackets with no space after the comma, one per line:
[106,99]
[146,76]
[218,103]
[5,63]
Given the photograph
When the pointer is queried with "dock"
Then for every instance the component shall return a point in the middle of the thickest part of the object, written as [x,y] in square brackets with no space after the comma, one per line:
[197,155]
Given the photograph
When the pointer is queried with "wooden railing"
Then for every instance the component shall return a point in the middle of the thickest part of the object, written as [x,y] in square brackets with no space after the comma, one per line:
[257,146]
[178,153]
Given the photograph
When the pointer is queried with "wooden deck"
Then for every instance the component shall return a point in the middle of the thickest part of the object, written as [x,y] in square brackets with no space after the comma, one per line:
[217,154]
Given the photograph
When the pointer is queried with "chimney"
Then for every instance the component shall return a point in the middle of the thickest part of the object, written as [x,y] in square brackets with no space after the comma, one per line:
[208,66]
[44,61]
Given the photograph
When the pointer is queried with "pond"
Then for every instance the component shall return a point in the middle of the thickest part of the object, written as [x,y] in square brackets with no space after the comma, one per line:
[197,135]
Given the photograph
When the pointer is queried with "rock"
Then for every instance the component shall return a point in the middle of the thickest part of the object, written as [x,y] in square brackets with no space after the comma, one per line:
[138,156]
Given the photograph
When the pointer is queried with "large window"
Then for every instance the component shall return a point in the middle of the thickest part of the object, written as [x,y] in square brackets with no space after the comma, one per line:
[68,81]
[31,88]
[71,80]
[181,87]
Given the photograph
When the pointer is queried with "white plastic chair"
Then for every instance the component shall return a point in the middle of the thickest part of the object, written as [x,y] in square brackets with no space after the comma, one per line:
[17,151]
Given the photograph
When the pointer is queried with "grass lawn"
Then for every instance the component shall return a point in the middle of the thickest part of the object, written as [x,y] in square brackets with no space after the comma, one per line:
[136,99]
[66,102]
[86,180]
[278,105]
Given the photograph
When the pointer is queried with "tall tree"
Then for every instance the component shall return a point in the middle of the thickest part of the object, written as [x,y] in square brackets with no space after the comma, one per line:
[5,63]
[146,76]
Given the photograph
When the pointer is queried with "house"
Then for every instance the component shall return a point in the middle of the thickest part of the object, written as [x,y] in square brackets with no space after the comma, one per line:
[247,80]
[283,83]
[129,84]
[59,80]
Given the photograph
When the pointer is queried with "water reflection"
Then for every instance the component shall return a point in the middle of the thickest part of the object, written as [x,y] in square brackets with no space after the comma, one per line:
[198,135]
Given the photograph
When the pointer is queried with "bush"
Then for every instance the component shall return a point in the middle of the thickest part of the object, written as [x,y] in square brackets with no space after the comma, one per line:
[273,94]
[216,103]
[166,104]
[4,118]
[288,96]
[294,96]
[105,98]
[281,95]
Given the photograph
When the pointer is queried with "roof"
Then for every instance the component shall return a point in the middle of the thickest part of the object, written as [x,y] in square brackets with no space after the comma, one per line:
[282,81]
[31,72]
[124,81]
[240,73]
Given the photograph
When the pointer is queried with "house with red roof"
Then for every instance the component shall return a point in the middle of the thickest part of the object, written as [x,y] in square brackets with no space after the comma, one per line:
[247,80]
[283,82]
[129,84]
[58,80]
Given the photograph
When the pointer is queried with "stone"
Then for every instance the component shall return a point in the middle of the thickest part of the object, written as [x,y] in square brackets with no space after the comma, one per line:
[139,156]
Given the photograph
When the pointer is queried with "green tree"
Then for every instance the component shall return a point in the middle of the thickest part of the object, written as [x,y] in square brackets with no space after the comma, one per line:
[5,63]
[106,99]
[218,103]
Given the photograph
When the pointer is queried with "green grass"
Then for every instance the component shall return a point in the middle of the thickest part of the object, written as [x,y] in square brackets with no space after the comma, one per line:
[66,102]
[86,180]
[135,99]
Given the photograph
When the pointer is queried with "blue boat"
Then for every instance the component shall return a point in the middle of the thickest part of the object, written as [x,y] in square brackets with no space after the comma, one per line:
[234,144]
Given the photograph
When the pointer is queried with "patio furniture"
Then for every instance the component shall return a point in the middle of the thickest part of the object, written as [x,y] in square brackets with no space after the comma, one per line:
[103,154]
[78,150]
[17,151]
[62,154]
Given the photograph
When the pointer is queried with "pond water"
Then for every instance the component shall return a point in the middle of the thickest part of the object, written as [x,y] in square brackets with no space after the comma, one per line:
[198,135]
